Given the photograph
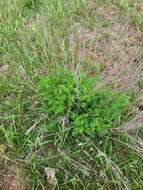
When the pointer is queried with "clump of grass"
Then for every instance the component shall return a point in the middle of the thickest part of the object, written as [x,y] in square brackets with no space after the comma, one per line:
[123,4]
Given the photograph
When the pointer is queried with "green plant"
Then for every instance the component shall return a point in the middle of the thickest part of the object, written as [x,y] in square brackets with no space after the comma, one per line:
[138,21]
[84,109]
[124,4]
[31,4]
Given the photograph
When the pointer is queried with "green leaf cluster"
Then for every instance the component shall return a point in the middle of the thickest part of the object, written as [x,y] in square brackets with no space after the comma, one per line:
[85,109]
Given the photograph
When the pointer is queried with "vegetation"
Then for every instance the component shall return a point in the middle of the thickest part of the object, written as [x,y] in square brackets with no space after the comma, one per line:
[70,87]
[72,100]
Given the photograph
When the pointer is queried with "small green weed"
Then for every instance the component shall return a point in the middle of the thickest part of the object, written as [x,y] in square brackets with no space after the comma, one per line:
[31,4]
[84,109]
[137,20]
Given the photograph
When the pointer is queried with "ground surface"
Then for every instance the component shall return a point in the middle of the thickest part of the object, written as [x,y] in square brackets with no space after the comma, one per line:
[93,36]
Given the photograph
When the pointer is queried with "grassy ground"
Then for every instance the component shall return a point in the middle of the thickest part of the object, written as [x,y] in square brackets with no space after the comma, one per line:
[102,38]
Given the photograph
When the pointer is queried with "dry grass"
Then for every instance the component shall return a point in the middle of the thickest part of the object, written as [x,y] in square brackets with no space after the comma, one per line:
[117,49]
[122,58]
[10,181]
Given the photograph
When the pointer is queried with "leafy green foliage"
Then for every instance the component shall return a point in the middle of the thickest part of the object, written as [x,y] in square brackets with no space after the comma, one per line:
[31,4]
[58,92]
[85,109]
